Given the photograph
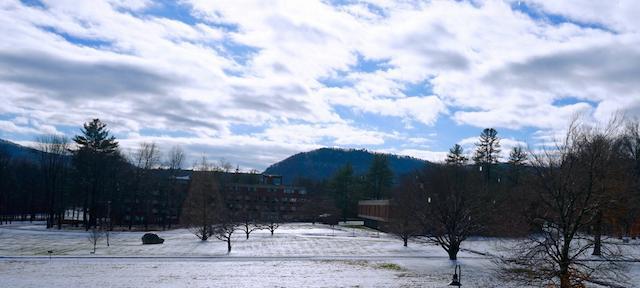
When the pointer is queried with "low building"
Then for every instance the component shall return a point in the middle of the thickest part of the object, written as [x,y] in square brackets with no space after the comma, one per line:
[376,213]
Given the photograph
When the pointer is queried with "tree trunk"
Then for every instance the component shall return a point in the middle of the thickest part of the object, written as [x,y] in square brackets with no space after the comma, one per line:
[597,235]
[228,244]
[405,239]
[565,281]
[32,212]
[453,251]
[205,233]
[61,218]
[84,213]
[247,232]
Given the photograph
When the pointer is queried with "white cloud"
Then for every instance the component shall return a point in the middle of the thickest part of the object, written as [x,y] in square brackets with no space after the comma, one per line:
[432,156]
[289,68]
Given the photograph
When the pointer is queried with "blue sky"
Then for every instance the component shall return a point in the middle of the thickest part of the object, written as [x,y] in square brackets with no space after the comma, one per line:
[255,82]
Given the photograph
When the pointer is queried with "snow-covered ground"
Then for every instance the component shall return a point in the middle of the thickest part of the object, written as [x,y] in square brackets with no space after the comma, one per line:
[296,239]
[298,255]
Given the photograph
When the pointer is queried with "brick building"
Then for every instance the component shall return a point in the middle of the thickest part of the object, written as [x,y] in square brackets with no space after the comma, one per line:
[262,196]
[376,213]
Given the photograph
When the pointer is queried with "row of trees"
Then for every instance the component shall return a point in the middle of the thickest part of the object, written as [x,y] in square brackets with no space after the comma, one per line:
[89,181]
[347,188]
[563,200]
[208,212]
[92,182]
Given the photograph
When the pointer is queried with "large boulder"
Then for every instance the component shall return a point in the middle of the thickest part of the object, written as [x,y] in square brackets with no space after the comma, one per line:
[151,238]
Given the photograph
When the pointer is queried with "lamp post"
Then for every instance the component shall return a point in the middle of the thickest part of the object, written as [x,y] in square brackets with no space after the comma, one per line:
[109,216]
[457,276]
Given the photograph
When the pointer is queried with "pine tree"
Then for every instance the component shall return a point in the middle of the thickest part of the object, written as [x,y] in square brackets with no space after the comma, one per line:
[380,177]
[91,160]
[487,150]
[517,156]
[456,156]
[343,184]
[96,139]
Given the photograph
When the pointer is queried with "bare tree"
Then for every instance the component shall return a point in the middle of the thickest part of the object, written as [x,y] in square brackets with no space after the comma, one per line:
[628,209]
[53,163]
[573,183]
[175,159]
[405,206]
[145,158]
[201,207]
[272,217]
[94,236]
[272,223]
[225,227]
[452,208]
[248,222]
[224,166]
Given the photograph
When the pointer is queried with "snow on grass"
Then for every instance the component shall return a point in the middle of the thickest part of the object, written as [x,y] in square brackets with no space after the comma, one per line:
[102,272]
[296,239]
[97,273]
[298,255]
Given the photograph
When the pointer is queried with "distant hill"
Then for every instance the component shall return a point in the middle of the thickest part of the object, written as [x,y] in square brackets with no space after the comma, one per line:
[19,152]
[322,163]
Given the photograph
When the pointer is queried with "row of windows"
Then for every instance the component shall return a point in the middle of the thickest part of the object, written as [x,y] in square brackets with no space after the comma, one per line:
[254,189]
[261,208]
[264,199]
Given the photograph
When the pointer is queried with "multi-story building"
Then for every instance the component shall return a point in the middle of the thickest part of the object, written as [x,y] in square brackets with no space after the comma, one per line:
[262,196]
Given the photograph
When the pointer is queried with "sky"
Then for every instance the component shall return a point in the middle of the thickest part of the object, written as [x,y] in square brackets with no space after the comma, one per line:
[253,82]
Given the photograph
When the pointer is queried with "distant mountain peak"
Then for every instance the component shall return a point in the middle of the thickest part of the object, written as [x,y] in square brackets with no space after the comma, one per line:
[19,152]
[322,163]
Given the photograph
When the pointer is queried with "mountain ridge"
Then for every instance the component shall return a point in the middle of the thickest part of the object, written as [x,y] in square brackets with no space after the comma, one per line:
[17,151]
[320,164]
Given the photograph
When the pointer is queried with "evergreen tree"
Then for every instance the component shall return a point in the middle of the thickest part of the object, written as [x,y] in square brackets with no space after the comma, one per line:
[380,177]
[91,160]
[487,150]
[456,156]
[343,184]
[517,156]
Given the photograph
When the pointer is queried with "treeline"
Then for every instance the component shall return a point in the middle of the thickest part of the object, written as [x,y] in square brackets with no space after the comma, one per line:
[93,183]
[560,199]
[566,199]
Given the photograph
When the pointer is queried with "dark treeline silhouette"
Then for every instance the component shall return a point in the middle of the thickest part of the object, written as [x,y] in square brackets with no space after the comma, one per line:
[92,183]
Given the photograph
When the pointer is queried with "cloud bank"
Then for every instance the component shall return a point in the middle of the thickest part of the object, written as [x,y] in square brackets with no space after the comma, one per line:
[253,82]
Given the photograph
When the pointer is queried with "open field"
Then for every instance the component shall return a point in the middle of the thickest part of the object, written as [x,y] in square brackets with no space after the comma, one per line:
[298,255]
